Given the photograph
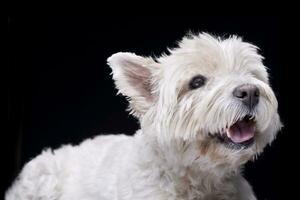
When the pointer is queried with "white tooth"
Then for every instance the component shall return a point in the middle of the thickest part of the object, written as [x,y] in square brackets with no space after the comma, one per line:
[227,133]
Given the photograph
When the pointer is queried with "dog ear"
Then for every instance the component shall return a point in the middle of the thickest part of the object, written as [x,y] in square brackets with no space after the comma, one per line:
[133,78]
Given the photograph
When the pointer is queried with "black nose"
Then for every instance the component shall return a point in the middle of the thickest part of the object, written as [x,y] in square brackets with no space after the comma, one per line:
[248,94]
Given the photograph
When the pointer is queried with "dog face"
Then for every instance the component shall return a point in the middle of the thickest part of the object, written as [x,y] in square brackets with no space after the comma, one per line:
[208,90]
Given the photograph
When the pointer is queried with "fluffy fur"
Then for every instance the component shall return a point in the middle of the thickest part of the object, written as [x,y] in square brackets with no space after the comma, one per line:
[175,155]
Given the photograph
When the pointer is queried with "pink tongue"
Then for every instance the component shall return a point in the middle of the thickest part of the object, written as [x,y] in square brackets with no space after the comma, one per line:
[241,131]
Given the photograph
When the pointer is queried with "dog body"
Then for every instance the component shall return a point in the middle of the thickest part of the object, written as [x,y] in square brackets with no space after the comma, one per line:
[205,110]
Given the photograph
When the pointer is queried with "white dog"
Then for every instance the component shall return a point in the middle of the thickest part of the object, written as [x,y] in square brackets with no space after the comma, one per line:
[205,109]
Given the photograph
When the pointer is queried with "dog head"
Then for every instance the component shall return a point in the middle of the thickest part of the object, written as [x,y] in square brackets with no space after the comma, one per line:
[211,90]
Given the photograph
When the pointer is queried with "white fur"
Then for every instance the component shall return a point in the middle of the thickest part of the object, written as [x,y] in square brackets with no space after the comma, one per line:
[173,156]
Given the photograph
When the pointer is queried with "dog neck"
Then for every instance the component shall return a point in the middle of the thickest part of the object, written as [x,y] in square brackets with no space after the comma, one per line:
[183,164]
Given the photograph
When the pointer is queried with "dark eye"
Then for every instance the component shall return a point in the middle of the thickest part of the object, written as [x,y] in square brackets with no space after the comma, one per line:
[197,82]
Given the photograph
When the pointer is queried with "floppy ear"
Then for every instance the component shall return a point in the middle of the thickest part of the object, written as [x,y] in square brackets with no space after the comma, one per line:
[133,78]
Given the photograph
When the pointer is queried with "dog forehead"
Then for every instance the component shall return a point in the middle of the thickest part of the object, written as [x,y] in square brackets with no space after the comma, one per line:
[204,54]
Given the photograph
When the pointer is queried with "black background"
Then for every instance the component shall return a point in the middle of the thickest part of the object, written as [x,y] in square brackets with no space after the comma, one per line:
[60,89]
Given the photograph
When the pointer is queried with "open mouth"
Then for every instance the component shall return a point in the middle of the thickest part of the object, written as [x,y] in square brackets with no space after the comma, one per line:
[240,135]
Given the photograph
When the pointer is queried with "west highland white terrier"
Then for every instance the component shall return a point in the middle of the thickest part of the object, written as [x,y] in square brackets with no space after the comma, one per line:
[205,109]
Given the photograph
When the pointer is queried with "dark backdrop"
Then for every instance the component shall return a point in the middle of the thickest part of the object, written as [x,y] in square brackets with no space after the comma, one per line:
[60,89]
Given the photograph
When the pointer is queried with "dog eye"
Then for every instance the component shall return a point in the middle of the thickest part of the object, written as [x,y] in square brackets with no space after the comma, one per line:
[197,82]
